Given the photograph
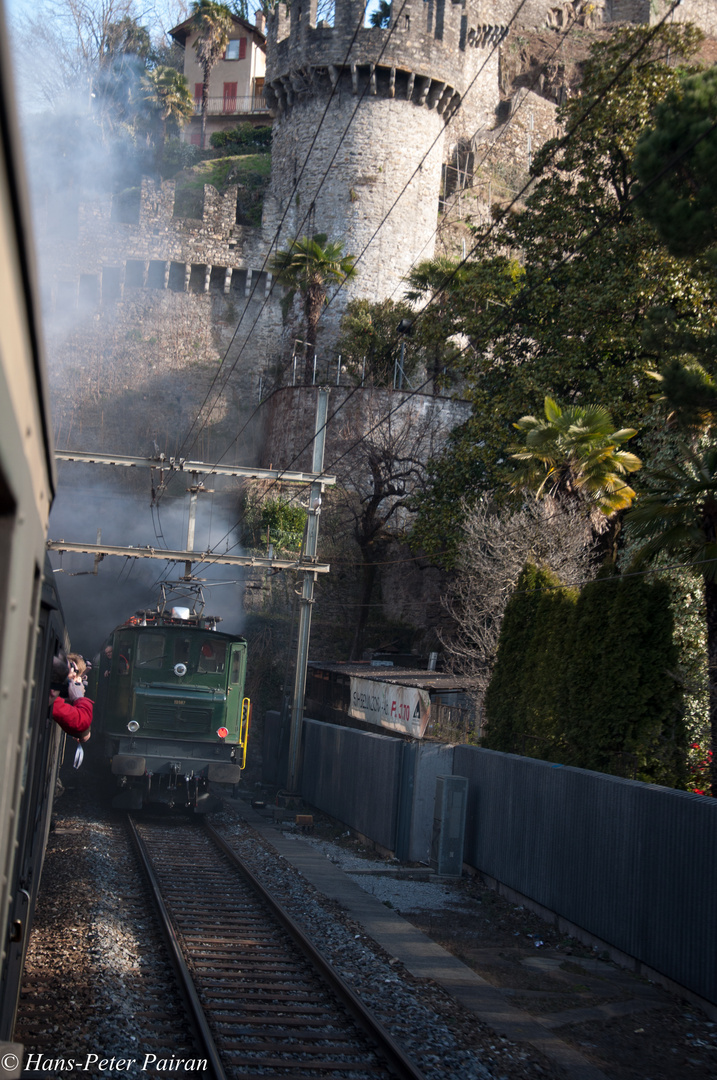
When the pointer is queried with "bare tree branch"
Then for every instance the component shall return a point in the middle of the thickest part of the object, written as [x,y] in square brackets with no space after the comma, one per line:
[495,548]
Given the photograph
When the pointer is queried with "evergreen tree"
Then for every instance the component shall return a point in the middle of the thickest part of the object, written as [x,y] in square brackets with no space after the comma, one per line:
[546,669]
[632,707]
[369,343]
[681,201]
[506,694]
[590,680]
[677,516]
[585,697]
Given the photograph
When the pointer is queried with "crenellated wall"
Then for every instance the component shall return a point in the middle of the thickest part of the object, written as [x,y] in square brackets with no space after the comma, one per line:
[380,100]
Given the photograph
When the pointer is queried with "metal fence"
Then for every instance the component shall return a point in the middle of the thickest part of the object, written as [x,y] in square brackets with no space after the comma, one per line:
[232,106]
[630,863]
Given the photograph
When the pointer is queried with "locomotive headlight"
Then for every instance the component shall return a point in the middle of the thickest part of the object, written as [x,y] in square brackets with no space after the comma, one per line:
[222,732]
[133,726]
[180,669]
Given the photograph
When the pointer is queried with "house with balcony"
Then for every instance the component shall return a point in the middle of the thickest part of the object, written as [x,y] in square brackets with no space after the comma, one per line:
[236,85]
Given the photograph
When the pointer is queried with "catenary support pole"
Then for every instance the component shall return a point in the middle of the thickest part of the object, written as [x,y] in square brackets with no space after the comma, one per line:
[307,597]
[193,496]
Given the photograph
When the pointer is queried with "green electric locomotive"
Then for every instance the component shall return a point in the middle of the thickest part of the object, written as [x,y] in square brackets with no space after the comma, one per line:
[171,710]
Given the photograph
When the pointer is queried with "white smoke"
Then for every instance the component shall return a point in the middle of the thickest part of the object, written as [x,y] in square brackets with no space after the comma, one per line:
[95,604]
[78,150]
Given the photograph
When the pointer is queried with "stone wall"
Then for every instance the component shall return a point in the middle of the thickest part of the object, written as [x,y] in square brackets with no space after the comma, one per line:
[144,308]
[143,241]
[288,420]
[702,13]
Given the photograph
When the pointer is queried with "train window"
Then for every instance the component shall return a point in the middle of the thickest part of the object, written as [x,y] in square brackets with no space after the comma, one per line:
[212,656]
[181,650]
[150,650]
[236,666]
[121,653]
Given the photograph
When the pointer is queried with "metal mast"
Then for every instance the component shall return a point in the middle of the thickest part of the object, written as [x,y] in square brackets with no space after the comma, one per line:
[306,601]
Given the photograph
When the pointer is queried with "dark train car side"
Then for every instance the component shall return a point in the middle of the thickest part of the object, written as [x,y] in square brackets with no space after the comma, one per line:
[36,781]
[171,710]
[31,623]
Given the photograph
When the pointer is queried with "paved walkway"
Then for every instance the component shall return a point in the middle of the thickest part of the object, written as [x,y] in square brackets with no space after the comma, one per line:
[421,956]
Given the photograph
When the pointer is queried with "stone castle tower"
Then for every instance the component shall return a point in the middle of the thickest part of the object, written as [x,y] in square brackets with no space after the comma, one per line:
[147,304]
[388,96]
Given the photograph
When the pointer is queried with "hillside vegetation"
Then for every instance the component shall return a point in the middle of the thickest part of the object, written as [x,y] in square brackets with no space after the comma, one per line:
[250,172]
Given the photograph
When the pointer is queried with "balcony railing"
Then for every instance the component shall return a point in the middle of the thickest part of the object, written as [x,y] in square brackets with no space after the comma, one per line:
[232,106]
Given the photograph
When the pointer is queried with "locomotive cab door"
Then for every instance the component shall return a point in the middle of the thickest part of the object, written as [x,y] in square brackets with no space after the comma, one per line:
[235,688]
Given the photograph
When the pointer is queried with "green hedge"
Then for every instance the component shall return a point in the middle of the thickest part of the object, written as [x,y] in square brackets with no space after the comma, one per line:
[588,678]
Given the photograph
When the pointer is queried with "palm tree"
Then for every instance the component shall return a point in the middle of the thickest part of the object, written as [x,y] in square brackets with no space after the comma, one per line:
[431,283]
[677,516]
[308,266]
[213,23]
[167,93]
[575,454]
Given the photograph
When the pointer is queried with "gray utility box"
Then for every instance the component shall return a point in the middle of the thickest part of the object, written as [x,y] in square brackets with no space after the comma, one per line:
[449,825]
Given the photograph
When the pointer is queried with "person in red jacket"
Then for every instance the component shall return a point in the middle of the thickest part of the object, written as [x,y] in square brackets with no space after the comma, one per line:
[73,713]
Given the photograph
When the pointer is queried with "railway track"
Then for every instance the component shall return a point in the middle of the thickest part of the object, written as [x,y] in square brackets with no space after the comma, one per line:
[264,1000]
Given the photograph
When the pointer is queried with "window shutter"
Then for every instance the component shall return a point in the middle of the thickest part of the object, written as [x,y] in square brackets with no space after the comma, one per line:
[230,97]
[198,91]
[242,48]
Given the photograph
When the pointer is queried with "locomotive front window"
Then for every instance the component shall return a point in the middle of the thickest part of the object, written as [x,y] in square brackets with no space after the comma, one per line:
[150,650]
[182,646]
[212,656]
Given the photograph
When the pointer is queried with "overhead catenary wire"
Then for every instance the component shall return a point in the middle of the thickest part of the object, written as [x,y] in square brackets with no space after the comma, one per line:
[484,237]
[363,94]
[278,233]
[492,145]
[668,166]
[561,143]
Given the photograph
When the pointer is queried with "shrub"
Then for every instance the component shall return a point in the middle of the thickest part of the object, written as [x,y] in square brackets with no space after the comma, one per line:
[243,137]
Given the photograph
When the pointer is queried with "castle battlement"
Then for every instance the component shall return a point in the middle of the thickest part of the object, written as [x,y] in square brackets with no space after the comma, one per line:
[427,55]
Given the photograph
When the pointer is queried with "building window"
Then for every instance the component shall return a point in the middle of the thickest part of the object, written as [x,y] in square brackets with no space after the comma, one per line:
[236,49]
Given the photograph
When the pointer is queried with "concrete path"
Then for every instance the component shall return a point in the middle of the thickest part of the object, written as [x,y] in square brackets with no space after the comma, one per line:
[421,956]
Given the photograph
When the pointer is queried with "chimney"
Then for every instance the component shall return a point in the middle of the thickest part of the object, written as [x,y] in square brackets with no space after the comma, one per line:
[260,22]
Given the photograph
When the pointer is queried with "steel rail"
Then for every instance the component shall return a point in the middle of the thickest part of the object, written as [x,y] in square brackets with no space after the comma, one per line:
[177,957]
[384,1043]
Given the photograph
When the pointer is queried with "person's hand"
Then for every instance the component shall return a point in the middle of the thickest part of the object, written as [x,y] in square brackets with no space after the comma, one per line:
[75,690]
[85,736]
[53,695]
